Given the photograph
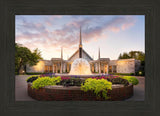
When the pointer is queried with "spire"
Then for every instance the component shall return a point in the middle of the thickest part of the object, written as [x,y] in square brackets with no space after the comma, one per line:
[80,41]
[99,61]
[61,52]
[80,45]
[99,54]
[61,71]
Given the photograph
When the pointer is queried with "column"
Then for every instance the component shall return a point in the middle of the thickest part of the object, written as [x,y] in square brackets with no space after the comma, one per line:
[99,67]
[96,67]
[56,68]
[53,68]
[92,68]
[59,67]
[67,67]
[64,67]
[61,70]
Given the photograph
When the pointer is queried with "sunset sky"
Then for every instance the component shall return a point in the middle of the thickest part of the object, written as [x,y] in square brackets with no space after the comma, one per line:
[113,34]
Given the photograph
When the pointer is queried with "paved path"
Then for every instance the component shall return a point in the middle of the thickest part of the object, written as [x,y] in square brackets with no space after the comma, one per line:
[139,90]
[21,88]
[22,95]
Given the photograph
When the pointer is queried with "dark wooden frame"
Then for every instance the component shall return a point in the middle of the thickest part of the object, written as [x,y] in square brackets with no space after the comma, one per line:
[10,8]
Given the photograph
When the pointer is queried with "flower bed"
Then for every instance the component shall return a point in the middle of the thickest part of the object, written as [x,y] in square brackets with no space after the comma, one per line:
[74,93]
[106,87]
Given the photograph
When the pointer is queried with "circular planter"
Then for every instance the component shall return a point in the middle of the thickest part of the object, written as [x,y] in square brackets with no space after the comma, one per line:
[74,93]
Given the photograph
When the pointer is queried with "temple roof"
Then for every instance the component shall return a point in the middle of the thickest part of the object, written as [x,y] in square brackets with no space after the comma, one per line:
[82,56]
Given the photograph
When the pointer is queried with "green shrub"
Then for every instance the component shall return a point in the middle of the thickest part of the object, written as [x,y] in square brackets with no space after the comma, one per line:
[126,74]
[131,79]
[98,86]
[30,77]
[56,79]
[119,81]
[35,73]
[45,81]
[71,82]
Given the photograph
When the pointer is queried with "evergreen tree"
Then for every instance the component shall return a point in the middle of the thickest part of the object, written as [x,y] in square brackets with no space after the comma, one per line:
[120,56]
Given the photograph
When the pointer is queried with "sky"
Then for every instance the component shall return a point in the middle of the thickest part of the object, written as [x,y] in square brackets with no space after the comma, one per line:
[113,34]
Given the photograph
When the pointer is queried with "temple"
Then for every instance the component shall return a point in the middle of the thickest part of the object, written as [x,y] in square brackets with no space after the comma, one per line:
[101,65]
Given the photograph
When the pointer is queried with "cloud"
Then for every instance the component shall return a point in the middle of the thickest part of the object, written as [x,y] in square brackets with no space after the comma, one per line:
[49,20]
[115,29]
[38,34]
[115,25]
[127,25]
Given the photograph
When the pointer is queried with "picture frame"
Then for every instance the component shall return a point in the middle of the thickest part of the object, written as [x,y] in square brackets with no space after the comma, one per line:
[147,107]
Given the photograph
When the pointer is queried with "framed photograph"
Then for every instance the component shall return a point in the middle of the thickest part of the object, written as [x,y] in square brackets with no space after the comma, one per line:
[114,71]
[79,58]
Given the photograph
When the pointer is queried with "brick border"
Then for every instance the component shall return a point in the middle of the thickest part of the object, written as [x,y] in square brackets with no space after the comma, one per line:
[59,93]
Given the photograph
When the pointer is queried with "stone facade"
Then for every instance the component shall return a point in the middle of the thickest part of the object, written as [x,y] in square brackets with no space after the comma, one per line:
[37,68]
[106,65]
[127,65]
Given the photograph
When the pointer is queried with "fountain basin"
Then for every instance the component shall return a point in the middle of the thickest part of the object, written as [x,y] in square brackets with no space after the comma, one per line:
[81,76]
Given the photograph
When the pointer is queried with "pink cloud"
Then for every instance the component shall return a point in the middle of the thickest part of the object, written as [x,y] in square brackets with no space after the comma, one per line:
[50,20]
[115,29]
[126,26]
[68,35]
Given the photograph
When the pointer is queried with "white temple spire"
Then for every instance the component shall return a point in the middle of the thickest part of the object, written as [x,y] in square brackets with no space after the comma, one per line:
[80,45]
[62,53]
[99,62]
[61,60]
[99,54]
[80,42]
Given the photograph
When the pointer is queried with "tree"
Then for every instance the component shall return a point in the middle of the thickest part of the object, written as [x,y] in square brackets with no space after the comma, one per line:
[141,56]
[124,56]
[133,54]
[138,55]
[24,56]
[120,56]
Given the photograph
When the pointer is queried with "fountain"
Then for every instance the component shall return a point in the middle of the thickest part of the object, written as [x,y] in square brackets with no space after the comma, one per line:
[80,66]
